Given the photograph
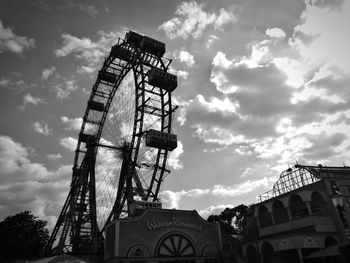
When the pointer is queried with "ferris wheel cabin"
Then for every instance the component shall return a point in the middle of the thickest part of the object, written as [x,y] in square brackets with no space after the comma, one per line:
[133,38]
[96,106]
[106,76]
[162,79]
[152,46]
[146,44]
[87,138]
[137,207]
[161,140]
[122,52]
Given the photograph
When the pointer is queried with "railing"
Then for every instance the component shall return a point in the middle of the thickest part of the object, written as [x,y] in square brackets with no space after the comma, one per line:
[291,213]
[289,180]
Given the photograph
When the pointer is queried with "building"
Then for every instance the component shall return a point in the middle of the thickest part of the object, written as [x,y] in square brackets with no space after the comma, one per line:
[297,221]
[163,235]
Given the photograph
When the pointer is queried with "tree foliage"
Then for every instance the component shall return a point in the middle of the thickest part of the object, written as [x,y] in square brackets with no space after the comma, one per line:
[22,236]
[232,220]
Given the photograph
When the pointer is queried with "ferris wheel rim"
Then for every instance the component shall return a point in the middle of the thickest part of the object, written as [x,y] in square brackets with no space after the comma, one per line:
[136,140]
[77,224]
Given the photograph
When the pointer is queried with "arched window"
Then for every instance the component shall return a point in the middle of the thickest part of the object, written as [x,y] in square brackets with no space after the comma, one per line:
[267,252]
[330,241]
[176,245]
[280,213]
[265,218]
[318,205]
[297,207]
[252,254]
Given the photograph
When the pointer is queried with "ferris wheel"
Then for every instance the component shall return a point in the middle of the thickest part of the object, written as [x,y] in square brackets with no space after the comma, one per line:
[124,140]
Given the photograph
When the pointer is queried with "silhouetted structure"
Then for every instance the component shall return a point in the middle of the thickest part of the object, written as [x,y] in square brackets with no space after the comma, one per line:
[297,221]
[120,159]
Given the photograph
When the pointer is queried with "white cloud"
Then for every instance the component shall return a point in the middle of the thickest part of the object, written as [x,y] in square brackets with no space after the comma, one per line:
[29,99]
[20,84]
[182,74]
[171,199]
[218,78]
[69,143]
[179,73]
[73,124]
[87,51]
[47,72]
[16,165]
[185,57]
[210,40]
[325,25]
[292,69]
[9,41]
[42,128]
[224,106]
[27,185]
[74,44]
[85,69]
[191,20]
[221,60]
[213,210]
[218,135]
[4,82]
[174,157]
[275,32]
[223,18]
[53,156]
[259,115]
[242,188]
[63,91]
[208,114]
[88,9]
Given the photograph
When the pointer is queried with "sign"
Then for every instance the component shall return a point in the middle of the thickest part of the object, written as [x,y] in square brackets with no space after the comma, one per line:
[154,224]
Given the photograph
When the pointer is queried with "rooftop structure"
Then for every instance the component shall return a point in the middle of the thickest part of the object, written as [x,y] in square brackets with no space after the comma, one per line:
[304,218]
[301,175]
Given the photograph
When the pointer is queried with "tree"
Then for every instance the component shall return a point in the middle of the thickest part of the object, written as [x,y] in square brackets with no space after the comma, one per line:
[232,220]
[22,236]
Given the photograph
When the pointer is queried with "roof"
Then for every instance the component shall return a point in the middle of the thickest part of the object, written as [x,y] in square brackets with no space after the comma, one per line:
[330,251]
[327,173]
[300,175]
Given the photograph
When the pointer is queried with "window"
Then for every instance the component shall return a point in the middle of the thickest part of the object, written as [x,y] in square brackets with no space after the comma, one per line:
[176,245]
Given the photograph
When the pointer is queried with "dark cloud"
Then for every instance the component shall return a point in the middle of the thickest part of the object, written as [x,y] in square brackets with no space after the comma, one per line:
[342,119]
[284,14]
[334,4]
[337,83]
[27,185]
[314,110]
[323,146]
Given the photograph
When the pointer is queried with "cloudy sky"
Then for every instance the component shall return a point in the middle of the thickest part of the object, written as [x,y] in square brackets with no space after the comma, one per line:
[263,84]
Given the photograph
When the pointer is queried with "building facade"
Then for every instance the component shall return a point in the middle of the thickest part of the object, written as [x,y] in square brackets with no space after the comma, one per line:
[163,235]
[297,220]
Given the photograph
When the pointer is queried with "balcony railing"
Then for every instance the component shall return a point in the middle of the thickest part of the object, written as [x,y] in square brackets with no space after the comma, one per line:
[291,213]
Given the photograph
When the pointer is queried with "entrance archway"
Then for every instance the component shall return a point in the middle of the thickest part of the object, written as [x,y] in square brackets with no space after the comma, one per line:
[176,247]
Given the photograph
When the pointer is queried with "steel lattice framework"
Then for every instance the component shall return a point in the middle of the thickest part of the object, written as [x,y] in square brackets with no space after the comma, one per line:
[289,180]
[300,175]
[113,164]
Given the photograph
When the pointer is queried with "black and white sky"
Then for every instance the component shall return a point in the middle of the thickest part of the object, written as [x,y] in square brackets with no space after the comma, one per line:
[262,84]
